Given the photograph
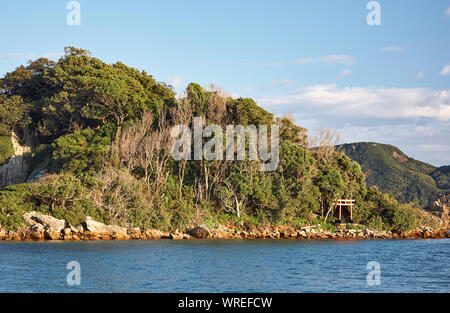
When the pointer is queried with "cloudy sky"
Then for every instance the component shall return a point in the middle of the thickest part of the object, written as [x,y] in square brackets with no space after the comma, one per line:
[319,60]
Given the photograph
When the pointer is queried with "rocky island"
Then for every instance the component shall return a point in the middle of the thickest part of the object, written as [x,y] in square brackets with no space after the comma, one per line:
[86,153]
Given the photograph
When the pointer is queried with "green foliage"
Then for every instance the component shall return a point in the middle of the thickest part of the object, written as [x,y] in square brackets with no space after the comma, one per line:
[330,182]
[403,219]
[245,111]
[292,133]
[6,149]
[14,202]
[197,95]
[246,190]
[65,197]
[78,92]
[82,151]
[375,223]
[13,113]
[441,176]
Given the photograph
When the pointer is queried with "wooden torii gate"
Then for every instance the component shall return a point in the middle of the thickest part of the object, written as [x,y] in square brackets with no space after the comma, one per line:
[344,202]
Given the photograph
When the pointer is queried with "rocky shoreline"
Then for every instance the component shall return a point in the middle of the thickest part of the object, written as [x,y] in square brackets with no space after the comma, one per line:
[45,227]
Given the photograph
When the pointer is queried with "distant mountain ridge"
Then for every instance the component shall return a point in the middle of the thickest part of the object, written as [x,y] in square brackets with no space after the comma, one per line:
[392,171]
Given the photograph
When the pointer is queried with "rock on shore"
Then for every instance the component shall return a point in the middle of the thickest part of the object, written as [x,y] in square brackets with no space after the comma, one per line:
[441,208]
[45,227]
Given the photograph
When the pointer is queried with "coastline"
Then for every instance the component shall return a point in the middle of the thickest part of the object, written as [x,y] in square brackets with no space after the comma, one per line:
[47,228]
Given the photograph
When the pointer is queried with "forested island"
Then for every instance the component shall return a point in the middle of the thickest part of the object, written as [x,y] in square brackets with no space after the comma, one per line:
[85,144]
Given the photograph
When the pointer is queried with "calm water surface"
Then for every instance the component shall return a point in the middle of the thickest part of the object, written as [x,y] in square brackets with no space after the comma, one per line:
[226,266]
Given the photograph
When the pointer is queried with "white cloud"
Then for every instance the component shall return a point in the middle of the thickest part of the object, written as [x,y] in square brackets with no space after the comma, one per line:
[283,82]
[276,63]
[445,71]
[18,55]
[344,73]
[53,55]
[332,58]
[417,120]
[434,148]
[427,143]
[392,49]
[419,75]
[447,12]
[32,55]
[365,102]
[176,80]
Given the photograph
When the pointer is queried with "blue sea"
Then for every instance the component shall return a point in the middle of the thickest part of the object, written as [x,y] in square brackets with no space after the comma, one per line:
[227,266]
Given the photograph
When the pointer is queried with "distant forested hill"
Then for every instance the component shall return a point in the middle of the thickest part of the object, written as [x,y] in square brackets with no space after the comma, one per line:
[388,168]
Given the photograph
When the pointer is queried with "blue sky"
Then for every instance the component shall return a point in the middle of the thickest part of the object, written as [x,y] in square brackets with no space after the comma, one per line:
[319,60]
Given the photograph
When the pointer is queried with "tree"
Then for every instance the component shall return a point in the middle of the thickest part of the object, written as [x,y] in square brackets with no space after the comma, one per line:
[291,132]
[331,185]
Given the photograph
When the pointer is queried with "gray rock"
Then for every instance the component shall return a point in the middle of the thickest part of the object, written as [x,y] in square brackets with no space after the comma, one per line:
[78,229]
[200,232]
[35,175]
[441,208]
[17,168]
[49,222]
[134,232]
[3,232]
[102,229]
[153,234]
[50,234]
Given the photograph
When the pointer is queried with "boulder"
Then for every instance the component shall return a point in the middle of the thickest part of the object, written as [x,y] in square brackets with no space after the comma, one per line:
[22,231]
[286,231]
[243,234]
[165,236]
[50,234]
[16,170]
[441,208]
[3,232]
[99,229]
[302,234]
[67,233]
[134,232]
[79,229]
[120,231]
[200,232]
[223,232]
[36,232]
[219,234]
[176,236]
[186,236]
[152,234]
[45,225]
[49,222]
[274,235]
[14,236]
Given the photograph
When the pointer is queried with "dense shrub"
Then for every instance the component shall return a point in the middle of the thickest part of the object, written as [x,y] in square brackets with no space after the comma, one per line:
[6,149]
